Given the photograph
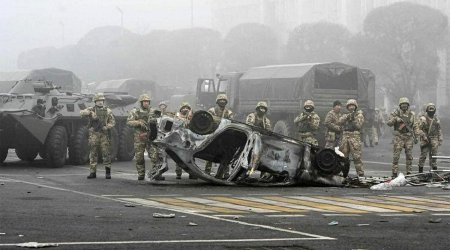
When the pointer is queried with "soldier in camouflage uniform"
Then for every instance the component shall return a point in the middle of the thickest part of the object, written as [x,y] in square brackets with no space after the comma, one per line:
[378,126]
[220,110]
[139,119]
[259,118]
[308,123]
[334,131]
[406,132]
[351,137]
[368,127]
[431,138]
[185,114]
[101,121]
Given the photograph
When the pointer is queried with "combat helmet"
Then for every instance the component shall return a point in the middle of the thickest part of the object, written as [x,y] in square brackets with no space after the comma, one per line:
[430,107]
[144,97]
[351,102]
[262,104]
[98,97]
[403,100]
[221,97]
[185,105]
[308,103]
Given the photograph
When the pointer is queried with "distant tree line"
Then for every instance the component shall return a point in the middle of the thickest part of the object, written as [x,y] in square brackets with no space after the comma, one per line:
[399,43]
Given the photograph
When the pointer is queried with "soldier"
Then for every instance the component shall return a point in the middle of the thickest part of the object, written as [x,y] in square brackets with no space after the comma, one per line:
[220,110]
[101,121]
[259,118]
[431,138]
[368,127]
[406,132]
[351,137]
[39,108]
[333,130]
[139,119]
[308,124]
[162,107]
[184,114]
[378,126]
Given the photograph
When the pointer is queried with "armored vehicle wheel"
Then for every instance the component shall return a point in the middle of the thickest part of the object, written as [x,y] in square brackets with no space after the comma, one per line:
[26,153]
[79,148]
[126,144]
[56,146]
[3,154]
[283,127]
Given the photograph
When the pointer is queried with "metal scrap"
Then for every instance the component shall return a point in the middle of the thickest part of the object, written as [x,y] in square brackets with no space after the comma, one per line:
[36,245]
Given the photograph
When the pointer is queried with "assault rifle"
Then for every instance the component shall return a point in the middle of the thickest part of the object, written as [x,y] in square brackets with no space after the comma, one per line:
[404,124]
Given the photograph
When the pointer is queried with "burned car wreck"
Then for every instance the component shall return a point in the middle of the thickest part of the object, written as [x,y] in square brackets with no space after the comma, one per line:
[246,151]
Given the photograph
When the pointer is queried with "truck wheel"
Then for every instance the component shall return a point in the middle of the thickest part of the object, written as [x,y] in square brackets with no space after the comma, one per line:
[126,144]
[79,148]
[26,153]
[3,154]
[282,127]
[56,147]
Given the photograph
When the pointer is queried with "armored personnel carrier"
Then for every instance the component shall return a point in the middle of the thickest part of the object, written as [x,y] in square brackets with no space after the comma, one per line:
[37,118]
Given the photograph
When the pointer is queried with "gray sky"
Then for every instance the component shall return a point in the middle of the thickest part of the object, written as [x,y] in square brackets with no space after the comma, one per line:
[27,24]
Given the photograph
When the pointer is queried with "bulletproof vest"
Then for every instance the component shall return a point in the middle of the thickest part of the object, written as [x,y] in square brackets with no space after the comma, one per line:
[218,112]
[434,127]
[350,126]
[304,127]
[259,122]
[143,114]
[409,122]
[102,114]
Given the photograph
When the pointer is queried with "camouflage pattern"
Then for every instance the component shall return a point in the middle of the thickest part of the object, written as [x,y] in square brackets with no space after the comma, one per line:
[368,127]
[139,119]
[308,124]
[430,140]
[403,122]
[186,119]
[351,138]
[378,124]
[99,140]
[262,122]
[333,132]
[223,113]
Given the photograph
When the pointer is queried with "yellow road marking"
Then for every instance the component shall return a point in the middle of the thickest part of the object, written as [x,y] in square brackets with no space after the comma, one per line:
[323,206]
[255,204]
[428,204]
[348,199]
[434,200]
[183,203]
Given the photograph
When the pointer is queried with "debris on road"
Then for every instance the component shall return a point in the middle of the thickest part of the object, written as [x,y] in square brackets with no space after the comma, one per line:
[192,224]
[400,181]
[160,215]
[36,245]
[333,223]
[129,205]
[2,233]
[362,225]
[437,220]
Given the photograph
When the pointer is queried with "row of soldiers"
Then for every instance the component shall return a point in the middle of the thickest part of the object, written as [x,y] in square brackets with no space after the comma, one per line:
[342,130]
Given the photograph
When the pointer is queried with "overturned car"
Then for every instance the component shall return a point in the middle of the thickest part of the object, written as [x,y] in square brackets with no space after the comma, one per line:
[246,152]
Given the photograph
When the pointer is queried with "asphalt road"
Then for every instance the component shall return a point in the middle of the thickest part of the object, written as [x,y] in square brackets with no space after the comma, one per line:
[60,206]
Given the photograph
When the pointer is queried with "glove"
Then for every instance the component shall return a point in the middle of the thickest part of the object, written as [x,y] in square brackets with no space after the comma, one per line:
[93,115]
[440,143]
[104,128]
[416,140]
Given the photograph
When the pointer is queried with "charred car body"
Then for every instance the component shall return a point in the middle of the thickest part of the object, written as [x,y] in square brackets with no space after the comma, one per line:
[52,131]
[247,150]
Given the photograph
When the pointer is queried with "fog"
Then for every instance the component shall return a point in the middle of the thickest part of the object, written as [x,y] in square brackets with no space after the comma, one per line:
[28,24]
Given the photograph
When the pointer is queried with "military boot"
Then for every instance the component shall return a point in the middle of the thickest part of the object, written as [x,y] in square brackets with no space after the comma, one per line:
[141,177]
[371,144]
[108,173]
[92,176]
[420,169]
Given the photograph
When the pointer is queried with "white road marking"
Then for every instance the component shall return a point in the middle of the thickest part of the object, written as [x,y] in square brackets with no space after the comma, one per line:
[215,194]
[226,205]
[229,215]
[282,204]
[162,195]
[313,236]
[343,204]
[169,241]
[422,199]
[341,215]
[396,215]
[117,195]
[285,215]
[401,204]
[441,214]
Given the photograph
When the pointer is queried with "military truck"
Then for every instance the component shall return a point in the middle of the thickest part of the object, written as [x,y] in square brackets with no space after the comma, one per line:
[287,87]
[56,130]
